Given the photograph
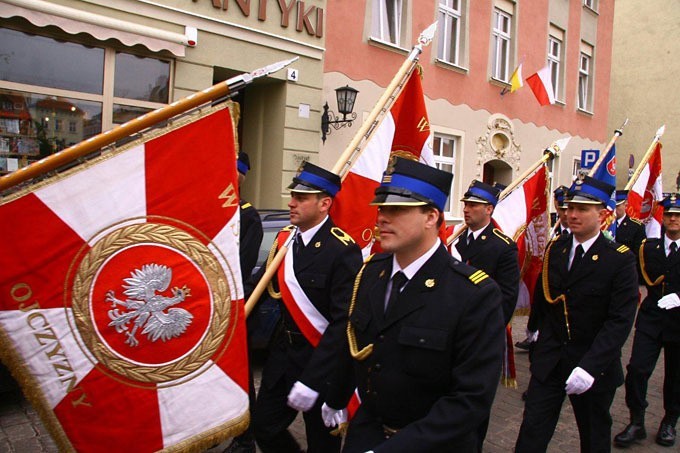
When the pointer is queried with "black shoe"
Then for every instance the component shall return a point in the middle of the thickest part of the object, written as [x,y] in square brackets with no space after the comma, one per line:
[628,436]
[240,446]
[666,435]
[523,345]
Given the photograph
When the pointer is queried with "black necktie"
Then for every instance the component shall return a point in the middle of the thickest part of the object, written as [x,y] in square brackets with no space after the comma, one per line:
[578,256]
[674,250]
[470,240]
[299,244]
[398,281]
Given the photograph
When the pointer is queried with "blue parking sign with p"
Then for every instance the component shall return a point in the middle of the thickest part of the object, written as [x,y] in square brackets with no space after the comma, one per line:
[589,157]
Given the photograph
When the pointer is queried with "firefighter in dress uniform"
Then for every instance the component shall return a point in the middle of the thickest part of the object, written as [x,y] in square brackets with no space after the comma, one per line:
[657,326]
[425,337]
[586,298]
[315,283]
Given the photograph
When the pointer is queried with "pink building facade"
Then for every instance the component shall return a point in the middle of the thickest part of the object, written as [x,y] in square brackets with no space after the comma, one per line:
[478,132]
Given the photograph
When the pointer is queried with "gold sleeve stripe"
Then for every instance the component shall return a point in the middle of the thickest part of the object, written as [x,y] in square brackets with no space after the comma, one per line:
[622,249]
[478,277]
[246,205]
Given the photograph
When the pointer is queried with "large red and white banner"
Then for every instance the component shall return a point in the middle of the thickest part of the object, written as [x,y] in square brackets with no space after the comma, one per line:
[120,294]
[644,198]
[523,215]
[404,132]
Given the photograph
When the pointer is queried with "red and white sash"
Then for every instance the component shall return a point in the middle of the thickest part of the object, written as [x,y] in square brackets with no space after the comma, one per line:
[309,320]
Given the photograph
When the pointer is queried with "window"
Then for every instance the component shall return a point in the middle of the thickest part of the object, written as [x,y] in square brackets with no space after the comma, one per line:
[592,4]
[555,56]
[502,22]
[585,81]
[449,26]
[444,148]
[56,103]
[386,21]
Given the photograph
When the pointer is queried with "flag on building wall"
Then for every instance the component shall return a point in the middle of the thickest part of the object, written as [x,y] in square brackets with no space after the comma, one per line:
[644,197]
[404,132]
[516,81]
[542,87]
[120,294]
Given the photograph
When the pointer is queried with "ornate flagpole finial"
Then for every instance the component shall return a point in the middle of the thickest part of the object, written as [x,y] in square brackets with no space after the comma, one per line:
[427,35]
[557,147]
[660,132]
[619,131]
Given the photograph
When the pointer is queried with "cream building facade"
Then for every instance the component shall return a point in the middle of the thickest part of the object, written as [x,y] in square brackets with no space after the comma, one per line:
[645,63]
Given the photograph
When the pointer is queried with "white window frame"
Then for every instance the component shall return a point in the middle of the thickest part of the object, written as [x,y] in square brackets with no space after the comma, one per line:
[441,160]
[381,21]
[502,40]
[450,21]
[584,81]
[555,63]
[590,4]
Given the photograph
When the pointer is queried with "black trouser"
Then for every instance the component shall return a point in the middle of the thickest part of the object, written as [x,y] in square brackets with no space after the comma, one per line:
[643,358]
[273,416]
[542,411]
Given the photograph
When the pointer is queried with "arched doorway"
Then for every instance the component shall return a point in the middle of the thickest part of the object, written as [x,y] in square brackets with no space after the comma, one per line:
[497,171]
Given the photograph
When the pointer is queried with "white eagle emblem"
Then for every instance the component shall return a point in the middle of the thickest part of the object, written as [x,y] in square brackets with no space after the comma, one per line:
[147,308]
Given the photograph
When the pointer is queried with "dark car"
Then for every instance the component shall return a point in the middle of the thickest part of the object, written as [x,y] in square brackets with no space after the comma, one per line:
[265,316]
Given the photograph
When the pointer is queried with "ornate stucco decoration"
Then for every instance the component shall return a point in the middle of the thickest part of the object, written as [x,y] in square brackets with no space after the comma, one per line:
[498,143]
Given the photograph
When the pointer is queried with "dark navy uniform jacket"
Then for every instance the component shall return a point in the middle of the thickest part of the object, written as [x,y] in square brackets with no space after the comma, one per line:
[436,357]
[601,297]
[661,276]
[496,254]
[631,232]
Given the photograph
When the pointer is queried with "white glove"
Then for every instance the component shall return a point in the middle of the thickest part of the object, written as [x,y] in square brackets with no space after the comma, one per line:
[669,301]
[531,336]
[333,417]
[301,397]
[578,381]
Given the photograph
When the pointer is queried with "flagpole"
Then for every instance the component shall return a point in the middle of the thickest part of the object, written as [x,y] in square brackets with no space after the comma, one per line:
[647,156]
[133,126]
[363,135]
[617,133]
[549,154]
[269,272]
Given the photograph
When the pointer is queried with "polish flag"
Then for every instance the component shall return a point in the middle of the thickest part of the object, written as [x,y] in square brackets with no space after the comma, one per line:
[121,303]
[644,198]
[542,87]
[405,132]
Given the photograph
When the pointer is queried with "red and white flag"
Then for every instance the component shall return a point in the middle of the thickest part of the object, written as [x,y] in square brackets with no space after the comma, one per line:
[644,198]
[523,216]
[405,132]
[120,294]
[541,85]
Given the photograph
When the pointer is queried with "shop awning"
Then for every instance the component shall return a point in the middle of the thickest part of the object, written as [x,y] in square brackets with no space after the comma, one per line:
[74,21]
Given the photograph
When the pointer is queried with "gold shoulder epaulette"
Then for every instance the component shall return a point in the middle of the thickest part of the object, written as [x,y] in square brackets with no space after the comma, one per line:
[368,258]
[342,236]
[288,228]
[477,277]
[639,222]
[502,235]
[623,249]
[246,205]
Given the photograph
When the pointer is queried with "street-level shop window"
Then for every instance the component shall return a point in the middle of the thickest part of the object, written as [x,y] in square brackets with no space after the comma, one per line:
[56,93]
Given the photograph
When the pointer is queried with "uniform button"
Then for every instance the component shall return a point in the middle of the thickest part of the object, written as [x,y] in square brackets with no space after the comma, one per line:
[377,367]
[381,338]
[421,341]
